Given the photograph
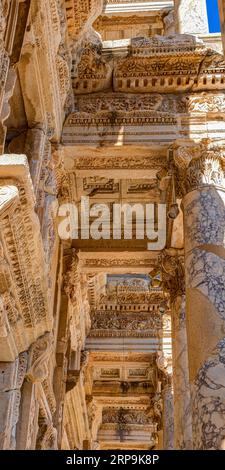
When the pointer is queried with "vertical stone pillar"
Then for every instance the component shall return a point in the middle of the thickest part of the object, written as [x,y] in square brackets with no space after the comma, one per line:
[182,397]
[87,445]
[202,180]
[191,17]
[94,418]
[11,378]
[173,278]
[160,440]
[34,399]
[168,418]
[221,4]
[27,428]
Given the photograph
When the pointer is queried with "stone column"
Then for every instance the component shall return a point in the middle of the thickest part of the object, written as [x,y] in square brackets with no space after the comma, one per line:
[202,180]
[191,17]
[11,379]
[94,418]
[221,4]
[168,418]
[27,428]
[173,278]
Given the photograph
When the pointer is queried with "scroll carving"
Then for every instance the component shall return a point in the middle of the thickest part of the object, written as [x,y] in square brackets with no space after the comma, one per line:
[40,352]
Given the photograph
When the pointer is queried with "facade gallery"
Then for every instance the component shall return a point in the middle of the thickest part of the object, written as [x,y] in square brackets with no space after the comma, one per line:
[112,225]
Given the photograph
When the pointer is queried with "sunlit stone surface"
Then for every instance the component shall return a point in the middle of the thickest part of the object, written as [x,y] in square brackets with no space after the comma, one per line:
[106,344]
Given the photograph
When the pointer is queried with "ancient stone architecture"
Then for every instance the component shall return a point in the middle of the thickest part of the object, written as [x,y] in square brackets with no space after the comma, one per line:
[112,337]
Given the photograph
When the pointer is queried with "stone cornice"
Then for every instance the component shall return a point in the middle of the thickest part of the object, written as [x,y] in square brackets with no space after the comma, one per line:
[128,6]
[25,309]
[163,64]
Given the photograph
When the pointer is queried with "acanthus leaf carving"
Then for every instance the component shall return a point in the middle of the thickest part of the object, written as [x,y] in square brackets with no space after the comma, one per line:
[173,274]
[199,165]
[47,438]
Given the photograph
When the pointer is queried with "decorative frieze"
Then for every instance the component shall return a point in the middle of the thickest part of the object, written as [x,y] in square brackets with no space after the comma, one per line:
[130,324]
[134,298]
[81,14]
[25,313]
[126,417]
[125,103]
[166,64]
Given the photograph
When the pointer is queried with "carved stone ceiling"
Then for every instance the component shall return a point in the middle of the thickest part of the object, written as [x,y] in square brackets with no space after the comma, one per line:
[123,385]
[145,92]
[131,99]
[124,391]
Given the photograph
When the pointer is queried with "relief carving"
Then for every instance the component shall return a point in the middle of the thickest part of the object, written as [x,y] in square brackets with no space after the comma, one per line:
[199,165]
[173,274]
[126,324]
[47,437]
[125,417]
[40,353]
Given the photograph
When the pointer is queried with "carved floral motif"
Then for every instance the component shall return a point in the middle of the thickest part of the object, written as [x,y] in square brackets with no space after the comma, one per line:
[127,324]
[199,165]
[124,416]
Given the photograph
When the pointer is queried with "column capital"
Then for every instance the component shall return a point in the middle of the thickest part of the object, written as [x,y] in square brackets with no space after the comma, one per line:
[173,273]
[198,165]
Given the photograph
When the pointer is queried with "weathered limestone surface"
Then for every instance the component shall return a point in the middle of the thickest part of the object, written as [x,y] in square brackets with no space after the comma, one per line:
[221,5]
[204,244]
[174,284]
[12,376]
[182,398]
[24,302]
[168,418]
[105,344]
[191,16]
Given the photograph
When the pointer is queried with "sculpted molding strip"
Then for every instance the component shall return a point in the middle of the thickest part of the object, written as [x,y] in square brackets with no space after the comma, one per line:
[22,267]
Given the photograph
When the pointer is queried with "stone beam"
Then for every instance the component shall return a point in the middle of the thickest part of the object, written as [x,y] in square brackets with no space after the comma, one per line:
[129,7]
[123,163]
[118,262]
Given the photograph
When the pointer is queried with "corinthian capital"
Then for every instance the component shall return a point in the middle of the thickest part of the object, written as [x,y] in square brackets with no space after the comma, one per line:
[199,165]
[173,273]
